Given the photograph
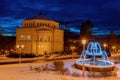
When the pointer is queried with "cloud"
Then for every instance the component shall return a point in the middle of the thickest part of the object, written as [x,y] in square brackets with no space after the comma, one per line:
[103,13]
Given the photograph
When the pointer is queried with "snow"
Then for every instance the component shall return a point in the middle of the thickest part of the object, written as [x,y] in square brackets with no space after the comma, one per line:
[23,72]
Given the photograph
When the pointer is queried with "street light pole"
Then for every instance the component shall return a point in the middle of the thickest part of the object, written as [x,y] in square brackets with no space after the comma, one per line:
[113,49]
[20,47]
[72,49]
[83,42]
[105,45]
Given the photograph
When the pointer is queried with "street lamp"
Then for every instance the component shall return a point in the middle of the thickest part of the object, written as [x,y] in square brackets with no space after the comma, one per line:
[113,48]
[72,49]
[83,43]
[20,47]
[105,45]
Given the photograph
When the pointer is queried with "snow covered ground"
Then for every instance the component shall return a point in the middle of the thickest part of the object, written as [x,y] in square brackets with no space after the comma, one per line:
[23,72]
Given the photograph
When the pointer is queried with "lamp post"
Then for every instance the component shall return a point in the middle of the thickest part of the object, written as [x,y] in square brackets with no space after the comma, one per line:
[83,43]
[113,48]
[105,45]
[20,47]
[72,49]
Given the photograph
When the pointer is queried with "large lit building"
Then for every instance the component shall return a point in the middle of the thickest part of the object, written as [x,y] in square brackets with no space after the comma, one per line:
[39,35]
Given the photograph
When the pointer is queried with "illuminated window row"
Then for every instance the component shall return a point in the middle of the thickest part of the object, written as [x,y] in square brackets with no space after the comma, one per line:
[44,38]
[25,37]
[29,24]
[38,24]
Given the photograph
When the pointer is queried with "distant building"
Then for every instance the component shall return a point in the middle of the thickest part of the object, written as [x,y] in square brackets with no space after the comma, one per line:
[39,35]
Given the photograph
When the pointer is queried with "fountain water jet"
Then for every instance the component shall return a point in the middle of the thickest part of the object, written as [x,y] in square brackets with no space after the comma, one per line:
[92,63]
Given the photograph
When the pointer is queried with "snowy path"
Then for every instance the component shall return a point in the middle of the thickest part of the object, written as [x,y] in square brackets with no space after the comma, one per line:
[22,72]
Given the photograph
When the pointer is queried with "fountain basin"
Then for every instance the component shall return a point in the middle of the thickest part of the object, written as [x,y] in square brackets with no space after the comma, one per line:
[95,66]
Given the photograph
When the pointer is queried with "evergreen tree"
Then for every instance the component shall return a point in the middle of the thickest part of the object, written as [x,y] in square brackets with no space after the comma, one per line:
[86,30]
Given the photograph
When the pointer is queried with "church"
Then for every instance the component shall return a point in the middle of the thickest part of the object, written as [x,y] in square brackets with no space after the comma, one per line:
[39,35]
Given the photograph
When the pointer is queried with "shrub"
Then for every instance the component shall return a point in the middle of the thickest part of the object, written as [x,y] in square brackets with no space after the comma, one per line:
[59,65]
[65,71]
[75,74]
[23,55]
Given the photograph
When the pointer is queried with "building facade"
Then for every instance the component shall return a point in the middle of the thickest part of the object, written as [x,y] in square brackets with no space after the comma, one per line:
[39,35]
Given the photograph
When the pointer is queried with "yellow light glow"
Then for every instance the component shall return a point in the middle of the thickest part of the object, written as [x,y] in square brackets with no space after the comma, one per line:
[104,45]
[72,47]
[22,46]
[84,41]
[17,46]
[113,47]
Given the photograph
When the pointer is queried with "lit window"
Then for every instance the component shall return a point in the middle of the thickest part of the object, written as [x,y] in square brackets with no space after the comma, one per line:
[21,37]
[40,38]
[45,38]
[28,37]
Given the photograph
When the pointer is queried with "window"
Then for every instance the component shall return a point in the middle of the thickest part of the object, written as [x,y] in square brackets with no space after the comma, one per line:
[25,24]
[49,38]
[28,37]
[40,39]
[37,24]
[33,24]
[45,38]
[48,25]
[21,37]
[40,24]
[54,26]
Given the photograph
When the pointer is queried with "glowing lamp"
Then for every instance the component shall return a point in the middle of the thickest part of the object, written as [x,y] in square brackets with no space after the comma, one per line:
[113,47]
[17,46]
[105,45]
[83,41]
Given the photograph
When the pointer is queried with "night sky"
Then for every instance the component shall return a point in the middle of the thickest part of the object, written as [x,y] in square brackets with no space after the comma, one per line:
[105,14]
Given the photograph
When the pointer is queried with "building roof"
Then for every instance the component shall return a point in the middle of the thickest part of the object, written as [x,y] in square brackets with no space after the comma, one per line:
[40,16]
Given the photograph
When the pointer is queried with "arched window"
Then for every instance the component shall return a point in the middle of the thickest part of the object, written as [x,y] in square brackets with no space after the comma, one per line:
[22,37]
[45,38]
[28,37]
[28,24]
[37,24]
[48,25]
[40,38]
[40,24]
[54,26]
[33,24]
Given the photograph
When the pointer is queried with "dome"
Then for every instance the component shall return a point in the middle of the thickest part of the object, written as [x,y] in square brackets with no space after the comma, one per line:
[40,16]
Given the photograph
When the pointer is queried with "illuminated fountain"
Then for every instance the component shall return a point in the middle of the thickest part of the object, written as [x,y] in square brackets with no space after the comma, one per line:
[89,60]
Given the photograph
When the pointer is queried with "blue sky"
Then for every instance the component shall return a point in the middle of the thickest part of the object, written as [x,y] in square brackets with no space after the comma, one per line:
[105,14]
